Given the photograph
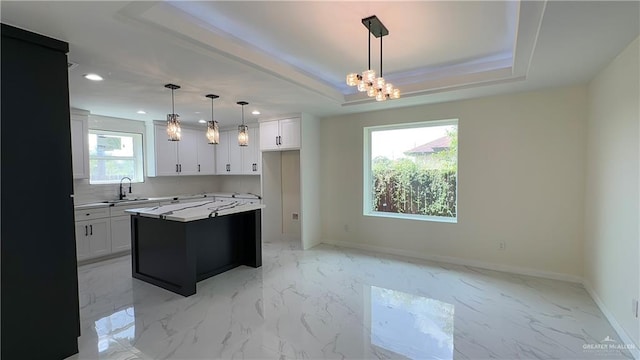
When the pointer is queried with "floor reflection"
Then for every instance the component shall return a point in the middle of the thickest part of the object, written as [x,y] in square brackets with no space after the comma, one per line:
[411,325]
[120,325]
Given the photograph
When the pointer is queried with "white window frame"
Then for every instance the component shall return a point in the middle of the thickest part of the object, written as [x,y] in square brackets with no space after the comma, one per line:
[367,173]
[138,156]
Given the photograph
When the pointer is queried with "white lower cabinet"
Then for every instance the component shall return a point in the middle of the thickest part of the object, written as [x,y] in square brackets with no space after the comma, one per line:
[121,233]
[93,238]
[104,231]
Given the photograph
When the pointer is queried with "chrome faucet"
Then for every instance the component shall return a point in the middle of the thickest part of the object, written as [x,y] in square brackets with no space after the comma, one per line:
[121,193]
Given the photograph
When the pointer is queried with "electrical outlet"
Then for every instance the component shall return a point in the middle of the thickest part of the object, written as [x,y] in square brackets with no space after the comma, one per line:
[294,216]
[634,307]
[502,245]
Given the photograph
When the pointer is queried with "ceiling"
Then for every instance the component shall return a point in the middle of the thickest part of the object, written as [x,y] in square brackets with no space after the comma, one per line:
[289,57]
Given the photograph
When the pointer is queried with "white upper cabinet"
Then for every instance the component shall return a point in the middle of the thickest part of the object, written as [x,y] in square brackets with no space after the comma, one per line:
[251,155]
[188,152]
[269,135]
[79,143]
[233,159]
[281,134]
[289,133]
[206,155]
[192,155]
[222,154]
[166,153]
[229,154]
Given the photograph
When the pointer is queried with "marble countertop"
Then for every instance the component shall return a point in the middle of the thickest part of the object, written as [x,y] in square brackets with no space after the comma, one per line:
[196,210]
[126,202]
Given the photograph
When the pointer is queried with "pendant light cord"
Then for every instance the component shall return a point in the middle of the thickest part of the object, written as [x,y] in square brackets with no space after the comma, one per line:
[173,108]
[369,39]
[381,54]
[243,115]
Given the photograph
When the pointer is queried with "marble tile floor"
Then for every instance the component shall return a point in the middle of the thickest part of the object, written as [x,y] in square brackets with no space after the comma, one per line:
[337,303]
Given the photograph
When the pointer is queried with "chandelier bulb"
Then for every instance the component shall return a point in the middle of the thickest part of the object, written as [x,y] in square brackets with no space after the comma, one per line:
[362,86]
[369,75]
[352,79]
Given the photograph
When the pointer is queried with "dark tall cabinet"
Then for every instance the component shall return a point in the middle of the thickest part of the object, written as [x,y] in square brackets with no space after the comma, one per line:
[40,315]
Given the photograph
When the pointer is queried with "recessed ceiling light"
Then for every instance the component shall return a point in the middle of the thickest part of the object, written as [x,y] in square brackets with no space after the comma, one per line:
[94,77]
[141,112]
[202,121]
[255,112]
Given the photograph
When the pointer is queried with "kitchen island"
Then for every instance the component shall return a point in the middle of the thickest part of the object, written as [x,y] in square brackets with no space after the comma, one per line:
[175,246]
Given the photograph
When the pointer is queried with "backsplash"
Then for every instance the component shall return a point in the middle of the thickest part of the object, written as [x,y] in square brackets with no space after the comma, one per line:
[165,186]
[239,183]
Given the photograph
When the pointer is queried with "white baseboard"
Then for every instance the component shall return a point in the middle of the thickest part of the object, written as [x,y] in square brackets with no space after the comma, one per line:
[459,261]
[626,339]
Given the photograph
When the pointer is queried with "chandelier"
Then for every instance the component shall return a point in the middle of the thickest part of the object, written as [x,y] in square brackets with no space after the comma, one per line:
[243,130]
[173,119]
[367,81]
[213,132]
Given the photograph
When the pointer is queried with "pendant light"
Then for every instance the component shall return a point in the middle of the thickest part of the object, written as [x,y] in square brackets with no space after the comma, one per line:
[213,132]
[243,130]
[173,119]
[367,81]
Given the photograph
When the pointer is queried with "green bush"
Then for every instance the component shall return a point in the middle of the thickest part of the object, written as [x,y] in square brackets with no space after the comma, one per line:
[404,186]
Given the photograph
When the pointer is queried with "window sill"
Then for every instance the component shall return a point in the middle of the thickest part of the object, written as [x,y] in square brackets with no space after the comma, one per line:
[413,217]
[114,182]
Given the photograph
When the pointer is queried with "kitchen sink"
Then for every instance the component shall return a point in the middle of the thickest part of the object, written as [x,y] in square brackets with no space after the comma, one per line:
[123,200]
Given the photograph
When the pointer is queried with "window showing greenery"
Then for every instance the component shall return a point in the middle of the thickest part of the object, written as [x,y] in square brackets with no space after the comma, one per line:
[114,155]
[411,170]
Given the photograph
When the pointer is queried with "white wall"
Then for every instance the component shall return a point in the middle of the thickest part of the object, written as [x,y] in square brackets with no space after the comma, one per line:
[612,268]
[521,180]
[311,194]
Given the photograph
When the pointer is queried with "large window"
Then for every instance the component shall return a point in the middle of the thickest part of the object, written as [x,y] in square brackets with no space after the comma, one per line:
[411,170]
[114,155]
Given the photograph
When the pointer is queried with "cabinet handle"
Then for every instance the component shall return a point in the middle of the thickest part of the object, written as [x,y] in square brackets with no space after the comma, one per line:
[277,140]
[180,167]
[86,230]
[90,229]
[198,167]
[176,167]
